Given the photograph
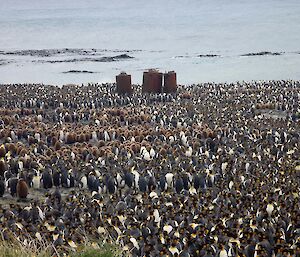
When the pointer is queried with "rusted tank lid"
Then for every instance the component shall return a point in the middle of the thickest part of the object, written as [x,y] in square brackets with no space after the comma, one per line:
[152,70]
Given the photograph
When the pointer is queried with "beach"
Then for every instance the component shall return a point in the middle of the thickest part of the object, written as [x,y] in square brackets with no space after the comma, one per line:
[211,170]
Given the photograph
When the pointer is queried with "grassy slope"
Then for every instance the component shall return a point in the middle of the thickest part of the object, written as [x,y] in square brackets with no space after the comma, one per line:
[32,250]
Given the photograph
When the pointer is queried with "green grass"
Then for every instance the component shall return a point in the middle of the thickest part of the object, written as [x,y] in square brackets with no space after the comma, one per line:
[100,251]
[34,249]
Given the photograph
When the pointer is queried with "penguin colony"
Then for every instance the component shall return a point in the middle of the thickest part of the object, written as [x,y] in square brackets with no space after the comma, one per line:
[212,170]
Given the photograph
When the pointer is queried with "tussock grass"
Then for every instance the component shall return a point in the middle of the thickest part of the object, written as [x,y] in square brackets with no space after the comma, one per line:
[15,249]
[104,251]
[36,248]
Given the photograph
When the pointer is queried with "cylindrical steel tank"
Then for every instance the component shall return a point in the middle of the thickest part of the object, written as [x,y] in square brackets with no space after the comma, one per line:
[124,84]
[152,82]
[170,82]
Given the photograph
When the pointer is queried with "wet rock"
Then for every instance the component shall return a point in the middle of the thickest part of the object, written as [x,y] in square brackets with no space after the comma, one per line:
[208,55]
[262,53]
[79,71]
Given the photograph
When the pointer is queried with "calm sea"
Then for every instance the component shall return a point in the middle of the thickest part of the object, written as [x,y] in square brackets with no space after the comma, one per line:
[67,41]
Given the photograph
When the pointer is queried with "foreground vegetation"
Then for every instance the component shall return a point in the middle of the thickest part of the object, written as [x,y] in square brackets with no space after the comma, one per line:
[38,249]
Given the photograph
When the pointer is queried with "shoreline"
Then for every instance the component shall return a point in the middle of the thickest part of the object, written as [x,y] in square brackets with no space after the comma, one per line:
[112,83]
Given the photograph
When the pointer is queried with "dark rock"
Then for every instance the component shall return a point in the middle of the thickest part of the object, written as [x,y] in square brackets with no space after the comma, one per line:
[78,71]
[208,55]
[262,53]
[123,56]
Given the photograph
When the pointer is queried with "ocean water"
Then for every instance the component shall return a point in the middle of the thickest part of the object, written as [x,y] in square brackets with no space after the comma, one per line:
[202,40]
